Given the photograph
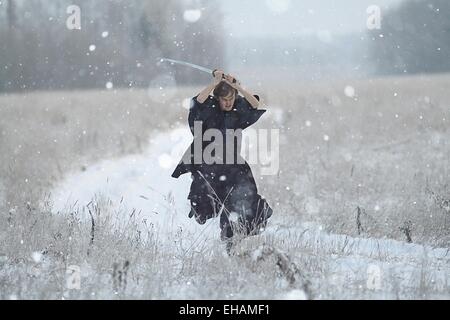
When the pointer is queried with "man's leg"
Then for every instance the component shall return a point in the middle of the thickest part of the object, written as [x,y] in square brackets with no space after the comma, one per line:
[225,227]
[251,210]
[202,204]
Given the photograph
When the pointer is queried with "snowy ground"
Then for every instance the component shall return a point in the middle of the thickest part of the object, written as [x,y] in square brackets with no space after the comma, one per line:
[383,150]
[337,266]
[139,183]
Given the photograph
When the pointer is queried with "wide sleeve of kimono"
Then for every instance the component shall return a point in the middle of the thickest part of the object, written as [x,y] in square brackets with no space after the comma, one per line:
[247,114]
[199,111]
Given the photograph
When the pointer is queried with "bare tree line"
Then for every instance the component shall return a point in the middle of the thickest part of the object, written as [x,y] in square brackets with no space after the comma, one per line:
[414,38]
[119,41]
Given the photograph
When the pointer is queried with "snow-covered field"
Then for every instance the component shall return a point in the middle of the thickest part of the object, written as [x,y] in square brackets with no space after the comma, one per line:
[140,183]
[343,266]
[111,222]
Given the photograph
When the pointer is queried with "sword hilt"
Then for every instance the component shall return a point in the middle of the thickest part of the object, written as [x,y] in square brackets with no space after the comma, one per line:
[223,75]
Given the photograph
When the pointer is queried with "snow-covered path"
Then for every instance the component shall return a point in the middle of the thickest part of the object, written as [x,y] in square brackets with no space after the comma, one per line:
[140,183]
[383,268]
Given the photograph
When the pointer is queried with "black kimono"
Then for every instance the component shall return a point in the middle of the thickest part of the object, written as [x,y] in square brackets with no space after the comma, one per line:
[220,188]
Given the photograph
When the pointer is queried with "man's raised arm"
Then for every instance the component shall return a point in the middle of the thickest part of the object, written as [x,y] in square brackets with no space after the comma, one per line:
[204,94]
[247,95]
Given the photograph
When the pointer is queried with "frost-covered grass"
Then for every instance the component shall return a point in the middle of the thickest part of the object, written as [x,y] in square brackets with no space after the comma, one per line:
[129,260]
[43,135]
[383,151]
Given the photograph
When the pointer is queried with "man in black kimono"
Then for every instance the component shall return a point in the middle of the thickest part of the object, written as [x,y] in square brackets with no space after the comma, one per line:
[223,187]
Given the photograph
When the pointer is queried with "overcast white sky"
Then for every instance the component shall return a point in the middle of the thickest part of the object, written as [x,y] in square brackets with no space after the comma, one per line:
[287,17]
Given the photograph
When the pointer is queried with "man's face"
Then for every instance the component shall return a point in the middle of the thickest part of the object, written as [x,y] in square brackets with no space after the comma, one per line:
[226,103]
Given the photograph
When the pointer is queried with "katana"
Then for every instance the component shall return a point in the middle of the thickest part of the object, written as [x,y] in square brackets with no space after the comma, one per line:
[195,66]
[187,64]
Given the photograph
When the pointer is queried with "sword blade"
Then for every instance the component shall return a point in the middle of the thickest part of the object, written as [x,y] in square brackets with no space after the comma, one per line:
[187,64]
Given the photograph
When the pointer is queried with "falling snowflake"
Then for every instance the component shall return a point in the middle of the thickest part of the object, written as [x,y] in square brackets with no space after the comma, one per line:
[36,256]
[186,103]
[349,91]
[165,161]
[192,15]
[234,217]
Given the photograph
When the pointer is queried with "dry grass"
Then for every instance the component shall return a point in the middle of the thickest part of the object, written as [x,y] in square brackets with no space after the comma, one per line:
[127,260]
[387,153]
[45,134]
[390,166]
